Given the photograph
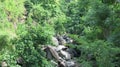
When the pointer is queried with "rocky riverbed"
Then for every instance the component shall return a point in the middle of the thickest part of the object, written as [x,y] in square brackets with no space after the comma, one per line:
[59,54]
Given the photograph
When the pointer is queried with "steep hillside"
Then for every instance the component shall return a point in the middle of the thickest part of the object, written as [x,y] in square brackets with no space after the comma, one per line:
[59,33]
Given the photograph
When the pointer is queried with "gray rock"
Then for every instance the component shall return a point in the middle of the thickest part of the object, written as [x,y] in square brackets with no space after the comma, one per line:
[70,63]
[68,39]
[48,53]
[118,1]
[61,40]
[51,53]
[55,41]
[60,47]
[62,63]
[72,52]
[65,55]
[60,54]
[4,64]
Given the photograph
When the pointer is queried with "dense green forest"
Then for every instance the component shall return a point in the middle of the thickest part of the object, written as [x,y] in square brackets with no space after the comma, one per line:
[27,25]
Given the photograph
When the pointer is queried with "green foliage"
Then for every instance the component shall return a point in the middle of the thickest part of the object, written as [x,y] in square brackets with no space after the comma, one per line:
[109,1]
[7,49]
[101,51]
[29,43]
[10,9]
[92,24]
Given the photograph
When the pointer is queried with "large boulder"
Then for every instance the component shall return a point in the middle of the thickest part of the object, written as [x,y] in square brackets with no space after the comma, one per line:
[65,55]
[61,40]
[51,53]
[55,41]
[48,53]
[60,47]
[70,64]
[4,64]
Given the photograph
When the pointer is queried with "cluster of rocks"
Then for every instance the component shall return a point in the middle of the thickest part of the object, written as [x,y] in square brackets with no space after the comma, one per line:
[60,55]
[61,40]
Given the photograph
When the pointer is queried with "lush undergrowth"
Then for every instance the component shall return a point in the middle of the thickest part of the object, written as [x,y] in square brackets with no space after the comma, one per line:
[94,25]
